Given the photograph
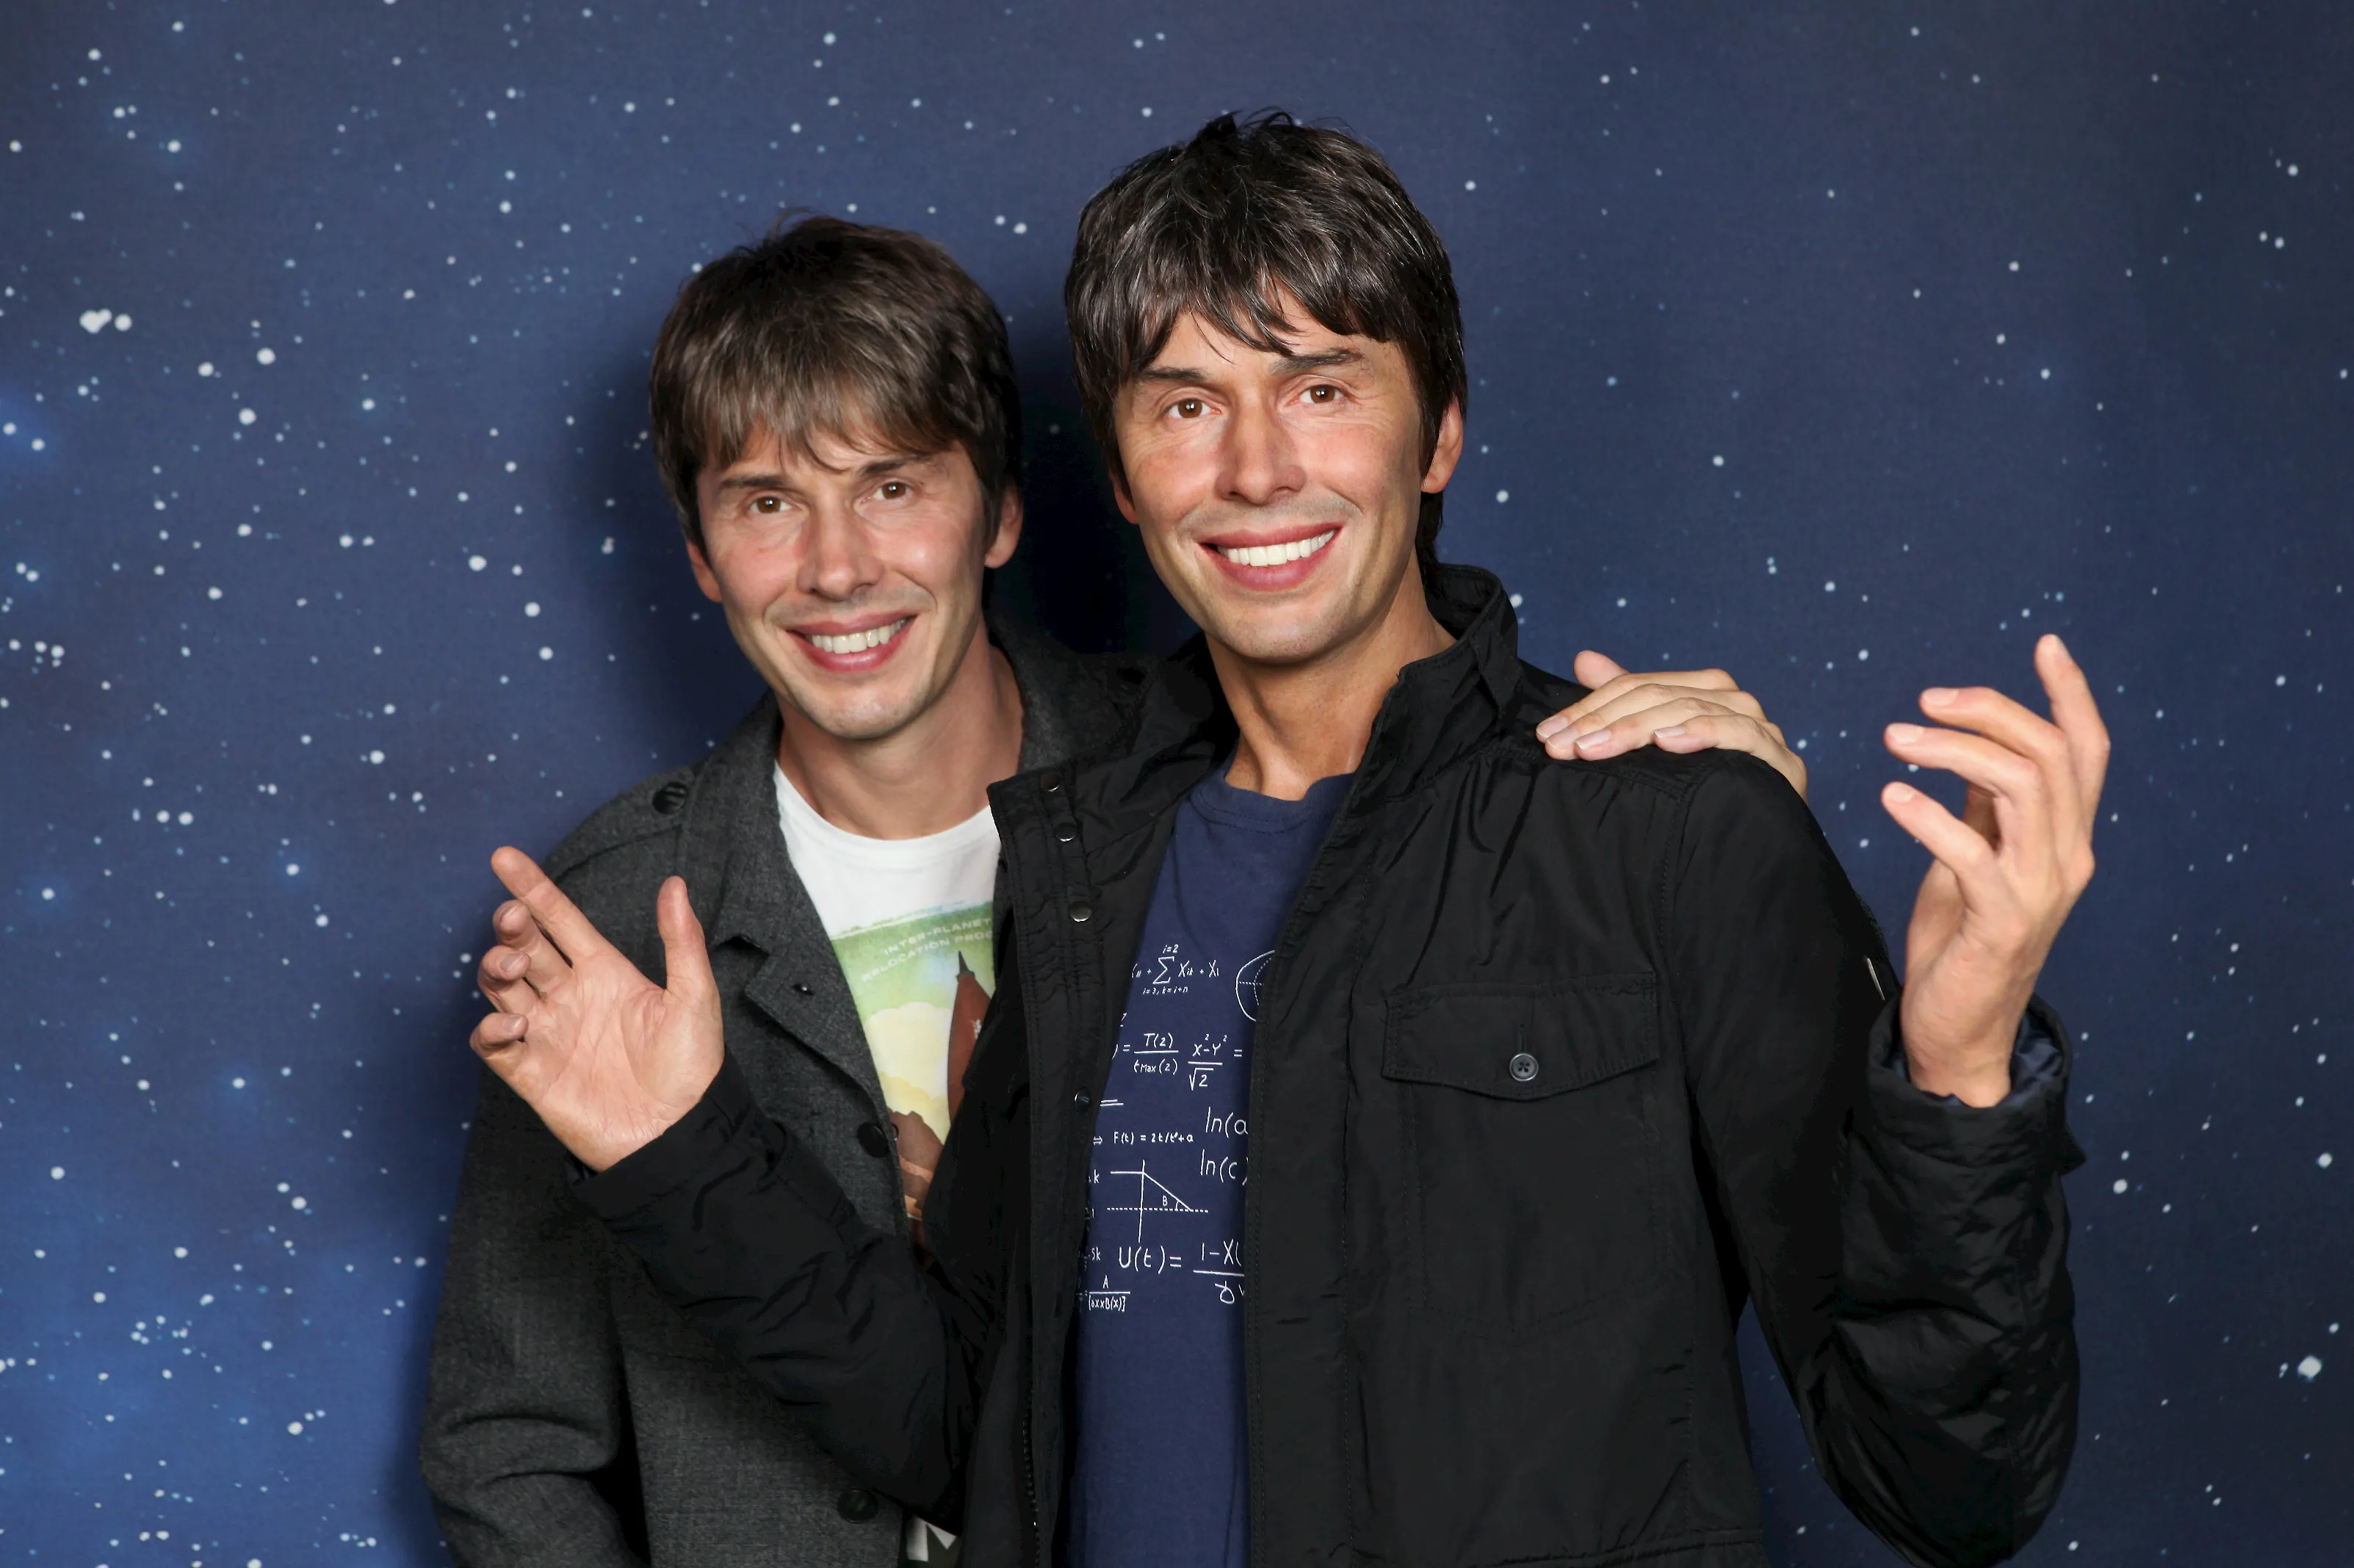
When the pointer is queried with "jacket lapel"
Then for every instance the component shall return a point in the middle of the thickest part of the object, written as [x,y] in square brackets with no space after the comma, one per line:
[744,889]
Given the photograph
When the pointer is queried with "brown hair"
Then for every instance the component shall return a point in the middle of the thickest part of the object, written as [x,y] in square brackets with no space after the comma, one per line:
[834,327]
[1244,212]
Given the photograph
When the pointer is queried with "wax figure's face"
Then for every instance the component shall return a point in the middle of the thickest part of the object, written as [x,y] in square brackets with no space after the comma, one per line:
[1277,494]
[851,575]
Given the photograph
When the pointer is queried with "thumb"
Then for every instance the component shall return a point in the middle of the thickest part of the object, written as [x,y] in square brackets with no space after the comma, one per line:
[1596,670]
[686,962]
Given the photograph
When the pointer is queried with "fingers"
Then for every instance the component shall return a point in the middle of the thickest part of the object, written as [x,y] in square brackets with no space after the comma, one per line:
[1617,693]
[493,1039]
[2017,788]
[1735,732]
[523,964]
[1637,707]
[686,962]
[1959,848]
[2019,730]
[1594,670]
[2077,716]
[558,915]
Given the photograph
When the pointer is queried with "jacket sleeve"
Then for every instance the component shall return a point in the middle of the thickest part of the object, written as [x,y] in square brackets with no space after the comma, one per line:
[743,1230]
[1906,1253]
[525,1406]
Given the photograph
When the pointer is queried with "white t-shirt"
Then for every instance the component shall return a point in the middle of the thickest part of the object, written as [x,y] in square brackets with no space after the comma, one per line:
[910,920]
[910,923]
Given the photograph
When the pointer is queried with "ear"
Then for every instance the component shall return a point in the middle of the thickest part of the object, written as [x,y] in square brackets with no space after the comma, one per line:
[705,577]
[1009,529]
[1119,495]
[1447,451]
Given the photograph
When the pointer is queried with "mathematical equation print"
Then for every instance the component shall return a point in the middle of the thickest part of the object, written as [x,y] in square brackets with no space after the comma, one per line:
[1170,1154]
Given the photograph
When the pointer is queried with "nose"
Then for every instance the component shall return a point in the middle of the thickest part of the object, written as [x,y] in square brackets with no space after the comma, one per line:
[1262,461]
[838,560]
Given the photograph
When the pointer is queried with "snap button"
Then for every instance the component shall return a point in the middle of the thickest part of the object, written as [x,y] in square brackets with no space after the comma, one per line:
[1081,911]
[1081,1099]
[1051,783]
[871,1140]
[1064,833]
[801,988]
[670,798]
[1523,1068]
[857,1504]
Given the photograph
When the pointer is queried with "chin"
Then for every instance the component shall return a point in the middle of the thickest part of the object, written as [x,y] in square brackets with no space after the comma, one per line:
[1267,637]
[861,720]
[850,710]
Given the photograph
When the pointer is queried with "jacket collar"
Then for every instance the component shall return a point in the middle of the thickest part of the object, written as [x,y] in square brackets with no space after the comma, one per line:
[1441,709]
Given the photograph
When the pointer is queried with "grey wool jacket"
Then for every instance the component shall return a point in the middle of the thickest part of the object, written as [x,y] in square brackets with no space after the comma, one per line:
[574,1419]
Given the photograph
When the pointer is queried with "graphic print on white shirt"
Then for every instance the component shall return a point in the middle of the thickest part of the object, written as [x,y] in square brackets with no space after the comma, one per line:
[910,924]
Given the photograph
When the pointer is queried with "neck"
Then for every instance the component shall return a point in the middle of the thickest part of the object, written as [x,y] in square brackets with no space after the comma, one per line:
[925,777]
[1306,721]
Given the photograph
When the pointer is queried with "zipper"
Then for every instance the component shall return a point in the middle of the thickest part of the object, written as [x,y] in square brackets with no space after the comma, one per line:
[1029,1485]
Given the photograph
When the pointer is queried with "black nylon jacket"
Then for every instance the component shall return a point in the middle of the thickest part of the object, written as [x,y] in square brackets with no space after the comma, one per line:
[1490,1311]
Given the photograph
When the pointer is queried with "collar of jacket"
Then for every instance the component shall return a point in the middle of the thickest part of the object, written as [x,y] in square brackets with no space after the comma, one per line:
[1441,708]
[741,880]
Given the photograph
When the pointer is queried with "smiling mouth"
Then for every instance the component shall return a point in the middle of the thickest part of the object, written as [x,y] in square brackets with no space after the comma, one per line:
[1276,555]
[857,641]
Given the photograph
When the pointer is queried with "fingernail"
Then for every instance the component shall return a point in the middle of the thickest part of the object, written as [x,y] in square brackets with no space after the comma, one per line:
[1901,792]
[1592,739]
[1904,733]
[1552,728]
[1671,733]
[1938,696]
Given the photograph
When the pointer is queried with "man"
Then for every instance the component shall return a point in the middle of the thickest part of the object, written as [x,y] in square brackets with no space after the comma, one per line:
[835,418]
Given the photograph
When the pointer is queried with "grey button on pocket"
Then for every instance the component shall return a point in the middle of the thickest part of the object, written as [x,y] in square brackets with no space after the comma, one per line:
[1523,1068]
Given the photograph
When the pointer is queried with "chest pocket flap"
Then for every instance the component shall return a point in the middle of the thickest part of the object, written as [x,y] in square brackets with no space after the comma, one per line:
[1522,1042]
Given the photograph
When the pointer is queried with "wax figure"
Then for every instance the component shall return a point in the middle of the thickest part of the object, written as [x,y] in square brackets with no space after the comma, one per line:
[1562,1063]
[835,416]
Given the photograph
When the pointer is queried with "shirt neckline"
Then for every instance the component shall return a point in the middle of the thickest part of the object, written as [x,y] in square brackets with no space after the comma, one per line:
[974,831]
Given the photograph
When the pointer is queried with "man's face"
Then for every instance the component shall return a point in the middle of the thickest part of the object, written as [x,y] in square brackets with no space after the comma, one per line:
[1277,494]
[851,575]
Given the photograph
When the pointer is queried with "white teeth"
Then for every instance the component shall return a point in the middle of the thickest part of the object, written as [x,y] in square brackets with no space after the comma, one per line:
[858,641]
[1276,554]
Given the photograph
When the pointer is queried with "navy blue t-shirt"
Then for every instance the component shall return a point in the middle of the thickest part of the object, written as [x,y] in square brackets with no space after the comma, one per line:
[1159,1458]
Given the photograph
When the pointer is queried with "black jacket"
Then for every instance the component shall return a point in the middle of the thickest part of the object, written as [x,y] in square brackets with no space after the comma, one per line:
[1491,1312]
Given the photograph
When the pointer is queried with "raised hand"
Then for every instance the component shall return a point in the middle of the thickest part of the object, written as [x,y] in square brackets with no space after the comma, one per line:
[608,1058]
[2008,869]
[1675,710]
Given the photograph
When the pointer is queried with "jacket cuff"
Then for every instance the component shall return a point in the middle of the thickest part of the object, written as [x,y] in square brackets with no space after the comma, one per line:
[2028,1125]
[683,1156]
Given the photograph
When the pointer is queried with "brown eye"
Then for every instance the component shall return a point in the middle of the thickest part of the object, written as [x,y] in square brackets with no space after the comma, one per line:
[1189,407]
[893,489]
[767,505]
[1322,394]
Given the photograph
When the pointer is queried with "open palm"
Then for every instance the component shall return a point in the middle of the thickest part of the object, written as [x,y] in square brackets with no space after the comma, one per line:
[608,1058]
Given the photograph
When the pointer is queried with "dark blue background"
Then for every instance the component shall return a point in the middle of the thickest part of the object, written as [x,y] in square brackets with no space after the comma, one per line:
[1847,346]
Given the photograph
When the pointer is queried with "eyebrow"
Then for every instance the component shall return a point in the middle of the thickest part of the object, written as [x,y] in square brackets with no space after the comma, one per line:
[876,468]
[1322,359]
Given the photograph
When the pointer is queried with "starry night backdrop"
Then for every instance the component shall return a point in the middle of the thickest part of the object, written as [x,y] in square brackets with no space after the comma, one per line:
[1849,347]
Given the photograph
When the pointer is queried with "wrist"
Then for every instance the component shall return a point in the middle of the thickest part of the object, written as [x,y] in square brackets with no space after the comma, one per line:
[1977,1074]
